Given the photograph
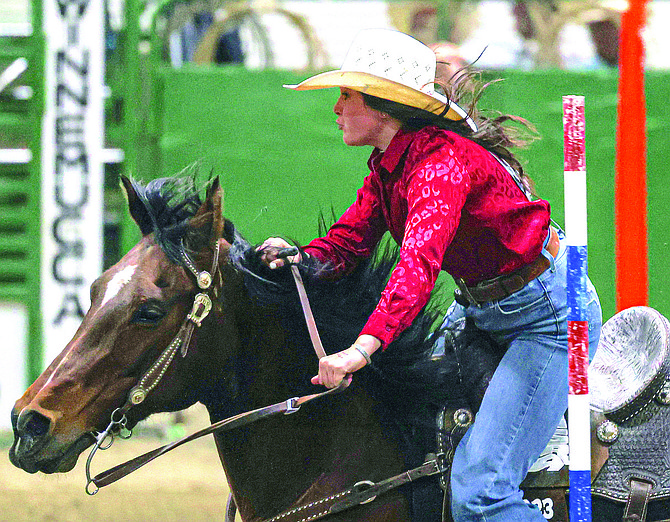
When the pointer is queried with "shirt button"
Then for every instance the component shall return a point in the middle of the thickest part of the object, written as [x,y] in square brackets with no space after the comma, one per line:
[388,328]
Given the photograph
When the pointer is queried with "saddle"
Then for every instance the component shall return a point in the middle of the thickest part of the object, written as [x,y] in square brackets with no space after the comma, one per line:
[629,381]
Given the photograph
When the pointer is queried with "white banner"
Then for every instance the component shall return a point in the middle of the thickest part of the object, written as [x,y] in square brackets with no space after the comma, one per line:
[14,328]
[72,165]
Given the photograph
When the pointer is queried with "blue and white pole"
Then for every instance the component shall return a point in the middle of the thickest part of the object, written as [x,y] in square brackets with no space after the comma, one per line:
[578,329]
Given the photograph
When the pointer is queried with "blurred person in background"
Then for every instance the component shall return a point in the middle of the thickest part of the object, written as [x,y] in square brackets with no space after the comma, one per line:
[449,60]
[446,186]
[601,19]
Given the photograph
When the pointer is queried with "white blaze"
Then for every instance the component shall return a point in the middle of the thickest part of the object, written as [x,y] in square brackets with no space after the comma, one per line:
[120,279]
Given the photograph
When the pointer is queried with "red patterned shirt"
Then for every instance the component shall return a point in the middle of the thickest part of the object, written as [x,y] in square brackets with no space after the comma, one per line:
[451,205]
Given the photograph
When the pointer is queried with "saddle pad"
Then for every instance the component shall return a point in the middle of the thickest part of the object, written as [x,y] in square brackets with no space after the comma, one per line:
[631,364]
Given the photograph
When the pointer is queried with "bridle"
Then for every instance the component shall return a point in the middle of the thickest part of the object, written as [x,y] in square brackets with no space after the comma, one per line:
[202,305]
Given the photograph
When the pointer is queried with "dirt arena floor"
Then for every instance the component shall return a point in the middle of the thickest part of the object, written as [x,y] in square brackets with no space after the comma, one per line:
[186,485]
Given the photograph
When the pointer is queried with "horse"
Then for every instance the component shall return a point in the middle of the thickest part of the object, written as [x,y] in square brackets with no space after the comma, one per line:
[190,315]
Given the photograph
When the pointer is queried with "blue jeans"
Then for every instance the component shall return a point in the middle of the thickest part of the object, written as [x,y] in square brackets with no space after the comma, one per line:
[525,400]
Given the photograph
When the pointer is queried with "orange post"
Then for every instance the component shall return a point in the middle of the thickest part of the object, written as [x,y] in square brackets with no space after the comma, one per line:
[631,164]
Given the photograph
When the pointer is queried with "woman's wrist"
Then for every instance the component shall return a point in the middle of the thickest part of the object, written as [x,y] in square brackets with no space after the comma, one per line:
[366,345]
[363,352]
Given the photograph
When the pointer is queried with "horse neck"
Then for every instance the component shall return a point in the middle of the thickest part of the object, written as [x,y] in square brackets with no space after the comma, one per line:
[320,450]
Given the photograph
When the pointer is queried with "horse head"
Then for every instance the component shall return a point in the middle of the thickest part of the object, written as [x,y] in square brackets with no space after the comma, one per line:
[138,307]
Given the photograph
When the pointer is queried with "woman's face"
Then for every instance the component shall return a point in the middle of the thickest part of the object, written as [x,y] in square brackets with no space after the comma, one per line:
[360,124]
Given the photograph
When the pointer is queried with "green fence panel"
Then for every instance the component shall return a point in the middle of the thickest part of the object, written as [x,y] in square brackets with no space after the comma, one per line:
[537,96]
[279,154]
[21,106]
[658,187]
[282,161]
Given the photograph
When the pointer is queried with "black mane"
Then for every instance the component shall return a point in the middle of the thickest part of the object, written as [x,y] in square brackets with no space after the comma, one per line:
[341,306]
[169,204]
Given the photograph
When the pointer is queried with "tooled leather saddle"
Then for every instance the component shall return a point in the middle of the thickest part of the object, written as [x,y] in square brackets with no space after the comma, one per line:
[629,381]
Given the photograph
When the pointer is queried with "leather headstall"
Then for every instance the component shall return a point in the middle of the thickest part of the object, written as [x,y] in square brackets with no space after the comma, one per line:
[202,305]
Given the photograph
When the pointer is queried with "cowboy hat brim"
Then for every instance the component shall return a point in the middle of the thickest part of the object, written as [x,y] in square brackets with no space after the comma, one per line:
[387,89]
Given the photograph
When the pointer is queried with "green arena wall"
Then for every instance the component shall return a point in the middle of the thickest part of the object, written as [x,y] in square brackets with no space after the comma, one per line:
[282,162]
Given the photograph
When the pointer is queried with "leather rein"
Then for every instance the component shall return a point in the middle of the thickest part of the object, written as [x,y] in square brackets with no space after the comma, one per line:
[360,493]
[202,305]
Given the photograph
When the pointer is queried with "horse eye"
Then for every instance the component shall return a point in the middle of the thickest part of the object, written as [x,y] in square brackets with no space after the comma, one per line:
[162,283]
[148,313]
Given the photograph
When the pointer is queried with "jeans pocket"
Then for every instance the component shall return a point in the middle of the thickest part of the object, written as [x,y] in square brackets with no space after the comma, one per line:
[524,300]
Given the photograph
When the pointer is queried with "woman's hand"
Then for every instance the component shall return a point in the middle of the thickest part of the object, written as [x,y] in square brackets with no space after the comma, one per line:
[271,247]
[334,368]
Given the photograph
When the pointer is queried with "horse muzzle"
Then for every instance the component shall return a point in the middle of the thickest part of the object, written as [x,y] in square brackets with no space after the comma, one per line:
[36,449]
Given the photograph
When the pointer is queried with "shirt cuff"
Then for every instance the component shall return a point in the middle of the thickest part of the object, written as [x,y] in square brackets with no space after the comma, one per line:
[382,326]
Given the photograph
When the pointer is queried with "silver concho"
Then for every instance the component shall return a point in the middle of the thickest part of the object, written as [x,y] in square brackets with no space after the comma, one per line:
[137,396]
[463,417]
[663,396]
[204,280]
[607,432]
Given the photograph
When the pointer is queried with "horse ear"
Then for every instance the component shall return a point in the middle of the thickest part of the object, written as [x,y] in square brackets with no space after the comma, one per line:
[210,212]
[135,206]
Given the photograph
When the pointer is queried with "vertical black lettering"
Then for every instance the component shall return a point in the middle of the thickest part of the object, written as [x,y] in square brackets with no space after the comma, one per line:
[69,307]
[70,128]
[72,156]
[58,271]
[72,9]
[72,192]
[65,63]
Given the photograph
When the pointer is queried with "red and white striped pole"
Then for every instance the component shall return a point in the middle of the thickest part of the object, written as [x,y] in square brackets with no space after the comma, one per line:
[578,328]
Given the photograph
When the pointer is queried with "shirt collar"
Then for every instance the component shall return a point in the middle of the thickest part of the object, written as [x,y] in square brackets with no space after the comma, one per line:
[388,159]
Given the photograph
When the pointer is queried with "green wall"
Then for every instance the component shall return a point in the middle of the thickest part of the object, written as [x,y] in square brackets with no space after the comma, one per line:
[282,162]
[279,154]
[537,96]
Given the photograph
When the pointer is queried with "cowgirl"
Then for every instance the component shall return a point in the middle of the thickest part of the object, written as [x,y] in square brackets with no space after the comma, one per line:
[445,185]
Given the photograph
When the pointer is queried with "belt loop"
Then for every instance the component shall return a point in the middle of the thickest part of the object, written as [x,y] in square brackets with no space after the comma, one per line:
[546,252]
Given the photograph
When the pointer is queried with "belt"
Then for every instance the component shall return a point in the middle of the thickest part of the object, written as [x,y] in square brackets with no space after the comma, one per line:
[505,285]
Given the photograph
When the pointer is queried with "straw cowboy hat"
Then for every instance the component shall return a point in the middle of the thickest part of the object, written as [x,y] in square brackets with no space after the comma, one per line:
[391,65]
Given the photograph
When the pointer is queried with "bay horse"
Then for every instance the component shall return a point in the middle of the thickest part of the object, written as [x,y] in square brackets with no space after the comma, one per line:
[252,350]
[191,315]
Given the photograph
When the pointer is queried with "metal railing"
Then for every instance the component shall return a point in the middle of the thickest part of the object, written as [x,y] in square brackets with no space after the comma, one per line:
[21,107]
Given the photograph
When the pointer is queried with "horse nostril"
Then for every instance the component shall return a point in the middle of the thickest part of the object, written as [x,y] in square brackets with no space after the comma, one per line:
[35,424]
[14,418]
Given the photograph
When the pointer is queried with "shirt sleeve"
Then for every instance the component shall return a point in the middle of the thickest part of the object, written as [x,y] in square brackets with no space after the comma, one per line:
[436,192]
[355,235]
